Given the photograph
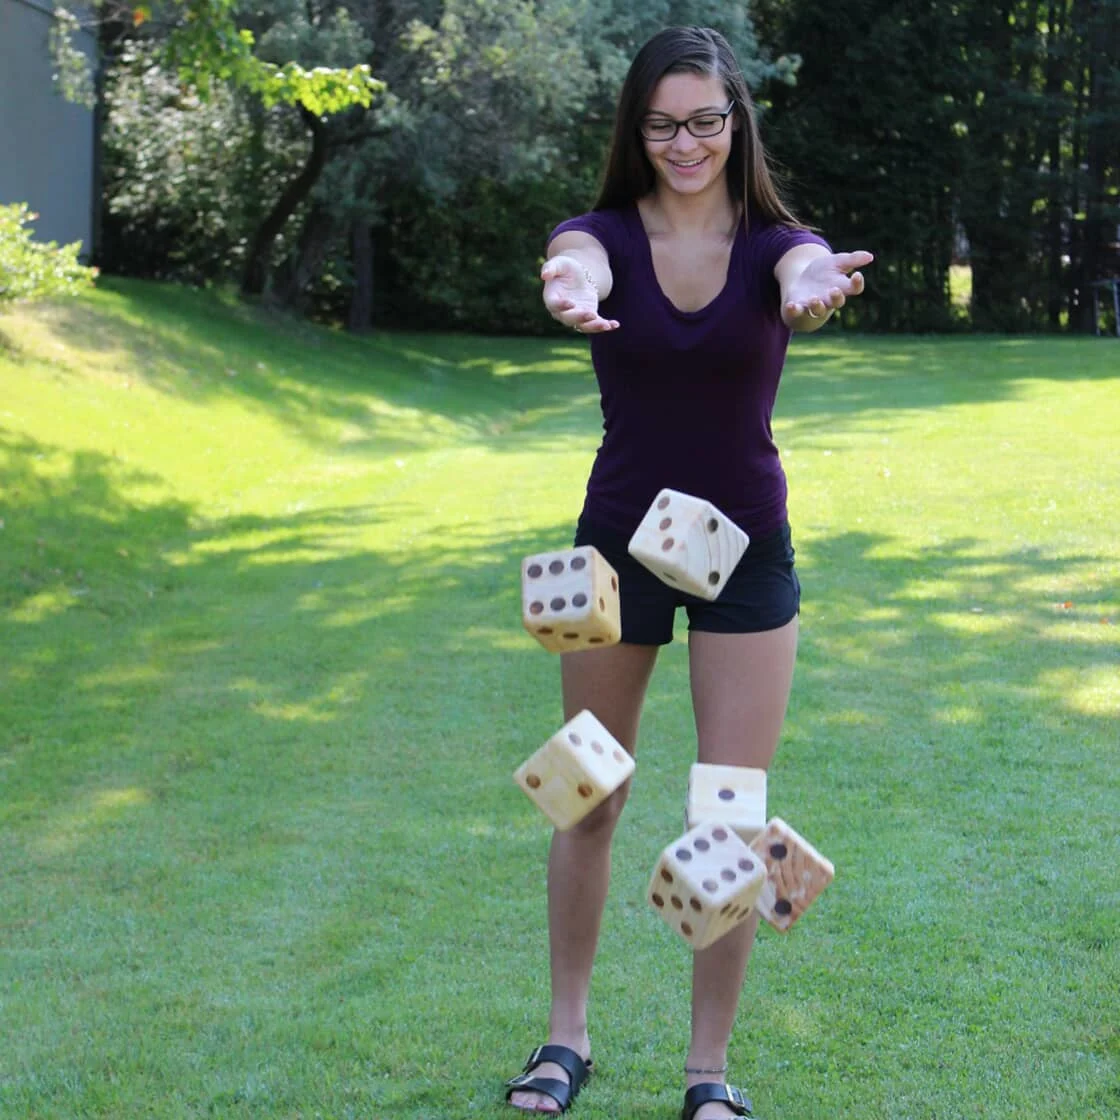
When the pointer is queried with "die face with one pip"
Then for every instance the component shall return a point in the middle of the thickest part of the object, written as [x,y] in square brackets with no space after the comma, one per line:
[575,771]
[706,884]
[795,874]
[732,795]
[569,599]
[688,543]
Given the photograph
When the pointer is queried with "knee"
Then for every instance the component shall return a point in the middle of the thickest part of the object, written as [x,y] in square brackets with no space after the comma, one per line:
[600,822]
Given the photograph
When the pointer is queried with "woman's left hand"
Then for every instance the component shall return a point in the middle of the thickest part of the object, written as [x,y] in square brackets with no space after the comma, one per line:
[823,286]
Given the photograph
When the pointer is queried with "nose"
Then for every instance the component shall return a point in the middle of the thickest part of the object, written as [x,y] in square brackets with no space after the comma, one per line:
[684,141]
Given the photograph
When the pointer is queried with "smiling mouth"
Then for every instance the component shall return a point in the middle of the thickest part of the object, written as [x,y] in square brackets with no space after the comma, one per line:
[687,164]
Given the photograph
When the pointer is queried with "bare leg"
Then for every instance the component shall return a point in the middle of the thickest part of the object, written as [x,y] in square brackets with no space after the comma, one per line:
[611,683]
[740,690]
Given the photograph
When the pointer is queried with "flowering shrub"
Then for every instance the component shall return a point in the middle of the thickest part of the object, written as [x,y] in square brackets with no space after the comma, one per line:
[31,270]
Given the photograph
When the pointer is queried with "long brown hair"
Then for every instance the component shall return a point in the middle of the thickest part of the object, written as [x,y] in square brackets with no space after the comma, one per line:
[689,50]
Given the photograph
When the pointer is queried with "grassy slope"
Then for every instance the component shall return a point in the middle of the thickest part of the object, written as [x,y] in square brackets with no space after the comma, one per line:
[262,685]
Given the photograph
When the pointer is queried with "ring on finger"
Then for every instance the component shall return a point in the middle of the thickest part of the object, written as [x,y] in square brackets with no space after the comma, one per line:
[809,312]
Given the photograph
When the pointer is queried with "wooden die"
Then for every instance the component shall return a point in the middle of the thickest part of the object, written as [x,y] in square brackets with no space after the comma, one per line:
[706,883]
[731,795]
[687,543]
[576,770]
[795,874]
[569,600]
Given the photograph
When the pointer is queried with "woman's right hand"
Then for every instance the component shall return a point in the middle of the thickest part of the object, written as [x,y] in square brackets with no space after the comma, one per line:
[571,297]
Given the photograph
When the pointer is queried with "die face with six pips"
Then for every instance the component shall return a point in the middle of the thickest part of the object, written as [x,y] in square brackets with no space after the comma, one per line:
[706,883]
[689,544]
[569,600]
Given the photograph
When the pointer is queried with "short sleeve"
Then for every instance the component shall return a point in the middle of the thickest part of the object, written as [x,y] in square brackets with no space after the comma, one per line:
[770,243]
[603,225]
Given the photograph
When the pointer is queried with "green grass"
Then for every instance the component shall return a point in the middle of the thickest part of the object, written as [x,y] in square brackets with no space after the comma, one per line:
[263,685]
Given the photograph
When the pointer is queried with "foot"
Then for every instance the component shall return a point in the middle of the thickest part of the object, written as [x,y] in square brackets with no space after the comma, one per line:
[529,1101]
[715,1109]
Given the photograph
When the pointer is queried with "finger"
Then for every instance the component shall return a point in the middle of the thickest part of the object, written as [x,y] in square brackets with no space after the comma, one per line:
[857,283]
[847,261]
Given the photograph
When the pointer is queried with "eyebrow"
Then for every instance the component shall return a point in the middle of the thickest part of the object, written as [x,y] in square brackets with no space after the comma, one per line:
[694,113]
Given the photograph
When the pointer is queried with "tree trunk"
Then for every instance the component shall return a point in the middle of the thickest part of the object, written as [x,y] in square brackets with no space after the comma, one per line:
[313,243]
[360,318]
[256,263]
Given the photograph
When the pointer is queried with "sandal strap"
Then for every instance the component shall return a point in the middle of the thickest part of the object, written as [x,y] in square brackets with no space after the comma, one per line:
[708,1091]
[562,1092]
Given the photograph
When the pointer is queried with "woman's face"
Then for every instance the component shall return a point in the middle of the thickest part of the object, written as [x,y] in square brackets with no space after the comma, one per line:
[686,163]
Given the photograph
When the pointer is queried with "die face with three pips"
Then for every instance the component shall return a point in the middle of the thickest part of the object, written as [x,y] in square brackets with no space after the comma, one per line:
[575,771]
[569,600]
[706,883]
[689,544]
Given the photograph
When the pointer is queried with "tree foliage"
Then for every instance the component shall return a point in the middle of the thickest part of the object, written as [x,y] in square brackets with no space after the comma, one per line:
[931,132]
[31,270]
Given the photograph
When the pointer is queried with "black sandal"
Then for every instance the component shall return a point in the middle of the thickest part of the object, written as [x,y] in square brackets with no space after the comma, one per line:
[708,1091]
[562,1092]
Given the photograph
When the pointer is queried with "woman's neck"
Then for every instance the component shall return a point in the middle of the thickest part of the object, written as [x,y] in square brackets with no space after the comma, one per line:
[713,211]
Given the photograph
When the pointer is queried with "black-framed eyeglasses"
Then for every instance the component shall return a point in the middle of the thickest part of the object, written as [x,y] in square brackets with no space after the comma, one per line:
[702,125]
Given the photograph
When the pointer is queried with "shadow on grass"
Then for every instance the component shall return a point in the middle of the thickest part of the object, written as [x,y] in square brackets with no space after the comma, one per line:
[201,347]
[386,390]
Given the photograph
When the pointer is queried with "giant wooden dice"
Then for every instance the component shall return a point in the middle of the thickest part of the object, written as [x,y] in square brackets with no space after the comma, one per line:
[706,884]
[576,770]
[688,543]
[795,874]
[732,795]
[569,600]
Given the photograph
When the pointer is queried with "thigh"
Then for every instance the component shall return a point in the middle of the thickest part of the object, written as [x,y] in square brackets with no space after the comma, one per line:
[647,606]
[740,689]
[610,683]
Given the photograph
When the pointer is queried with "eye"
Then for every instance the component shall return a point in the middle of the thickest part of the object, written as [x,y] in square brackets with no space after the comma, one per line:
[656,129]
[706,122]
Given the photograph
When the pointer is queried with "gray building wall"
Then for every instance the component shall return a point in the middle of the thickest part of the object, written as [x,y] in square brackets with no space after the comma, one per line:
[47,144]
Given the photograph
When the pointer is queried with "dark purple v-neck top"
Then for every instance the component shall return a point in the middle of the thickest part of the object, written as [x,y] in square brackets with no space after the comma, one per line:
[687,396]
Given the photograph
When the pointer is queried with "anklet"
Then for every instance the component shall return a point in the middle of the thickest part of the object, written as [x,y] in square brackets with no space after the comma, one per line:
[697,1069]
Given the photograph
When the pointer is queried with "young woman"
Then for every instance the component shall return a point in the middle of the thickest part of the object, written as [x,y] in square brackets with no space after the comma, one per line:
[689,276]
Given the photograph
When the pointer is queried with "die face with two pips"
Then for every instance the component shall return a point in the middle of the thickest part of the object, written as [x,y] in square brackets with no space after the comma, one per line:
[706,883]
[796,873]
[569,600]
[689,544]
[575,771]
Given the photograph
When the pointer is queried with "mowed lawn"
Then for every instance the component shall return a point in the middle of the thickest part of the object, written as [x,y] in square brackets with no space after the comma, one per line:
[263,685]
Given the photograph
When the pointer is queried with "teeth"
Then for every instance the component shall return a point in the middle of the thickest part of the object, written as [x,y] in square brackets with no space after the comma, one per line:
[691,163]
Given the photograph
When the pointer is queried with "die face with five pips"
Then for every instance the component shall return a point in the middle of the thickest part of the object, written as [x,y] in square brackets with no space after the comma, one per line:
[706,883]
[795,874]
[575,771]
[689,544]
[569,600]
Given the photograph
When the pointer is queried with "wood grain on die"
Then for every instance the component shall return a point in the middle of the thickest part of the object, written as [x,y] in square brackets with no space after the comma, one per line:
[796,873]
[569,600]
[734,795]
[576,770]
[706,883]
[688,543]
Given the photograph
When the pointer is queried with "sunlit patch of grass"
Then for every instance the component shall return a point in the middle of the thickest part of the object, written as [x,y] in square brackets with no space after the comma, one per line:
[264,685]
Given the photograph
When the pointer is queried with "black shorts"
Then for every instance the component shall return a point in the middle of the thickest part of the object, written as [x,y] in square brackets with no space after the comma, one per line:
[763,592]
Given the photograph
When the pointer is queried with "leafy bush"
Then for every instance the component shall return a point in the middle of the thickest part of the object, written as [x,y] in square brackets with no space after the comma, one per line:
[32,270]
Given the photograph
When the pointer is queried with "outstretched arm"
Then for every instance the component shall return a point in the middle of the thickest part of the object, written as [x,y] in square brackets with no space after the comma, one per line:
[577,275]
[815,283]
